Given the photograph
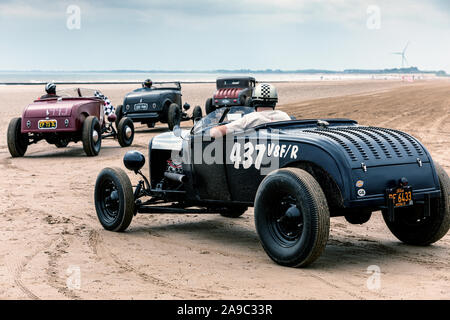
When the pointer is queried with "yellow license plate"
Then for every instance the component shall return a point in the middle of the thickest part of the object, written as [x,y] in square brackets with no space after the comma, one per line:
[401,197]
[47,124]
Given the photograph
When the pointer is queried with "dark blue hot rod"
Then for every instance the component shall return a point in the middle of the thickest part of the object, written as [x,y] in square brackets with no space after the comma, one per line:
[296,174]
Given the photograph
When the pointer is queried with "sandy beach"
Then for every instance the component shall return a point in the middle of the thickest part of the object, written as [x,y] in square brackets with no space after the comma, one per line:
[49,225]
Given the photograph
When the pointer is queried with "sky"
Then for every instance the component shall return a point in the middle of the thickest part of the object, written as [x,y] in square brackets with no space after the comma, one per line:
[216,34]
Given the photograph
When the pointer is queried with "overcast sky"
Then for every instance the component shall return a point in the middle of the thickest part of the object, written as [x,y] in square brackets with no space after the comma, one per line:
[231,34]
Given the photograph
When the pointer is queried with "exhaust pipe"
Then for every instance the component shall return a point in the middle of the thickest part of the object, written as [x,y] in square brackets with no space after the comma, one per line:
[176,177]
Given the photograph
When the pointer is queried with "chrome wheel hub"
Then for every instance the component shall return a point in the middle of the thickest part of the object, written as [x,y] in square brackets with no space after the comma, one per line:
[128,132]
[95,136]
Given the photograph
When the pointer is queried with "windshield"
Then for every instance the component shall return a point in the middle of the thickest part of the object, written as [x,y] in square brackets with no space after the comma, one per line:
[162,86]
[214,117]
[235,83]
[78,93]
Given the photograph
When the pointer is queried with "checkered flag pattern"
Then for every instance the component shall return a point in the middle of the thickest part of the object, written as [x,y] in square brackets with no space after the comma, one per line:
[109,108]
[265,91]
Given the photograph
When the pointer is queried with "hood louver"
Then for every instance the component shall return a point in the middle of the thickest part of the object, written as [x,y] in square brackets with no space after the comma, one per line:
[366,144]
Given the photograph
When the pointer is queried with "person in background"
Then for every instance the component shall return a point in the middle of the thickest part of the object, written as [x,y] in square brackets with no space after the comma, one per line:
[50,88]
[147,84]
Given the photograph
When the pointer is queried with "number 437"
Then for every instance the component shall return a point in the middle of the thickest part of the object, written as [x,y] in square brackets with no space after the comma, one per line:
[247,158]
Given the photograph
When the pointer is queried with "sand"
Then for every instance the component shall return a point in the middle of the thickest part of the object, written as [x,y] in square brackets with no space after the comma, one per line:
[50,232]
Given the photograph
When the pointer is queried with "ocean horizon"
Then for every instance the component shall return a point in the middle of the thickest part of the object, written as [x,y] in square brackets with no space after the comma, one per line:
[38,77]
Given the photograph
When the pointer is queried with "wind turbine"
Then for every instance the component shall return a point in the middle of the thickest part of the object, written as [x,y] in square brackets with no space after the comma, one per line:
[403,54]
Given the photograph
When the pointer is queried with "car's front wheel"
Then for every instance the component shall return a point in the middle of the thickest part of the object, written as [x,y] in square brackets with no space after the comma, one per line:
[62,143]
[292,217]
[125,132]
[17,141]
[91,136]
[114,199]
[411,226]
[173,116]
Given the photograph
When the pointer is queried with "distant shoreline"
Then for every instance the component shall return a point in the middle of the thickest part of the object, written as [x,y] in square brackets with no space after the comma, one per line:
[136,77]
[385,71]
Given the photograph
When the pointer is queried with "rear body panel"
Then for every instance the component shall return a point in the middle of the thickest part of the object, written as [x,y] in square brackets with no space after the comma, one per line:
[69,114]
[371,160]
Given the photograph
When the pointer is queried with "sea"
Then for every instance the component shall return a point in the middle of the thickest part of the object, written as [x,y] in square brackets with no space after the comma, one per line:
[39,77]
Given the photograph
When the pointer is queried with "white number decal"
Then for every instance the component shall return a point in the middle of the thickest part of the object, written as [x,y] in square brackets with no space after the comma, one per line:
[235,155]
[248,160]
[261,149]
[283,151]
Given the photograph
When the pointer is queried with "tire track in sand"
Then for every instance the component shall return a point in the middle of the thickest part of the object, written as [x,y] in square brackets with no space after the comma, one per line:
[54,255]
[16,270]
[96,244]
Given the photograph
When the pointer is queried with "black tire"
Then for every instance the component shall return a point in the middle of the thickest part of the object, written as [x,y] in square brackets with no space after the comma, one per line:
[173,116]
[292,217]
[62,143]
[360,217]
[114,199]
[209,107]
[119,114]
[248,102]
[91,128]
[409,225]
[233,212]
[150,125]
[124,136]
[17,141]
[197,113]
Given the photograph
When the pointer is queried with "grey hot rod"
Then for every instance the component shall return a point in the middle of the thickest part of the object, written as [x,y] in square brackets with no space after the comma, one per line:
[296,174]
[161,102]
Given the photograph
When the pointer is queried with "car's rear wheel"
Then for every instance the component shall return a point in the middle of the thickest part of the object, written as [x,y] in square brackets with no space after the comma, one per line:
[173,116]
[125,132]
[114,199]
[233,211]
[91,136]
[17,141]
[248,102]
[412,227]
[292,217]
[119,114]
[197,113]
[209,107]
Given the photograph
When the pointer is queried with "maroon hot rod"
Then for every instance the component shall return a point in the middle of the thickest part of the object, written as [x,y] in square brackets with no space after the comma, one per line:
[231,91]
[72,115]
